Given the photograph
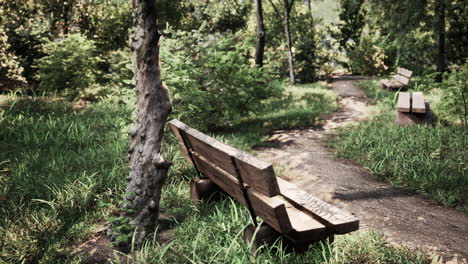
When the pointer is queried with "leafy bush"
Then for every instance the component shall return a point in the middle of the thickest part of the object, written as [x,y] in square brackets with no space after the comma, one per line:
[10,70]
[71,65]
[107,22]
[118,84]
[367,58]
[455,94]
[210,79]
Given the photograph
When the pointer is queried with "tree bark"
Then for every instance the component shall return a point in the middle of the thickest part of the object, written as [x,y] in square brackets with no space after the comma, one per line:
[308,6]
[260,47]
[148,170]
[287,31]
[441,64]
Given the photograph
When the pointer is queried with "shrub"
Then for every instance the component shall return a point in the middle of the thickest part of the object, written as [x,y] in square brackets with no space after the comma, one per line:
[118,84]
[10,70]
[210,79]
[367,58]
[70,65]
[455,94]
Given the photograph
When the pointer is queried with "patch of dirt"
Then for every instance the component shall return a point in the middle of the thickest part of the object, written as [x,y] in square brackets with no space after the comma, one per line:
[403,216]
[97,247]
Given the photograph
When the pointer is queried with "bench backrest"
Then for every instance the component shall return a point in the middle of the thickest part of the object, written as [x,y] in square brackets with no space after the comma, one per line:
[403,76]
[223,164]
[256,173]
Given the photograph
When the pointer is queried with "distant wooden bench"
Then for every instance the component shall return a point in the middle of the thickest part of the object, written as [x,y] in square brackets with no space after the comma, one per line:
[400,80]
[290,211]
[412,109]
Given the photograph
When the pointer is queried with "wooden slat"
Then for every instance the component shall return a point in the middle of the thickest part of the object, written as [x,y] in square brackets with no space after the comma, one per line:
[418,103]
[176,132]
[402,79]
[336,220]
[403,104]
[221,178]
[256,173]
[405,72]
[276,211]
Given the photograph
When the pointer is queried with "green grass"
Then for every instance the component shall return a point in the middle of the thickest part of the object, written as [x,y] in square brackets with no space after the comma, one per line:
[58,165]
[301,106]
[434,161]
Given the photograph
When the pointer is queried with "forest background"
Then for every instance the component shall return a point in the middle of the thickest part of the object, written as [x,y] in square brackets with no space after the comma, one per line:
[63,167]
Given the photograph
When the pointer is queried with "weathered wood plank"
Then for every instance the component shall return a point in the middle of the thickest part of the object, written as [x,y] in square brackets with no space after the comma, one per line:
[405,72]
[176,132]
[336,220]
[426,119]
[256,173]
[402,79]
[276,211]
[403,104]
[287,219]
[224,180]
[418,103]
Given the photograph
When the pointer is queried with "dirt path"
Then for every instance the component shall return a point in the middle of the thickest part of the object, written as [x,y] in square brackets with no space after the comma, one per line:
[402,215]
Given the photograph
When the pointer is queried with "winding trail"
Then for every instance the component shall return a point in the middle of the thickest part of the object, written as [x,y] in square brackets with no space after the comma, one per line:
[399,213]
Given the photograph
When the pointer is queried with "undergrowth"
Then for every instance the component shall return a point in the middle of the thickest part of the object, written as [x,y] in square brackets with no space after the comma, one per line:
[57,165]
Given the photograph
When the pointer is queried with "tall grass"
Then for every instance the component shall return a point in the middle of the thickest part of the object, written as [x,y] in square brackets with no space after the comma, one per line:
[56,165]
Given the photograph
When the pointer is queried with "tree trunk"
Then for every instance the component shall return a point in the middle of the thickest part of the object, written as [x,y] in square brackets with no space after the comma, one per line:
[147,167]
[308,6]
[260,47]
[287,9]
[440,12]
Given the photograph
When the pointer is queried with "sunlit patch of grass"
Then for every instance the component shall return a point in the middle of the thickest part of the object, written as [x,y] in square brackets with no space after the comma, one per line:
[301,106]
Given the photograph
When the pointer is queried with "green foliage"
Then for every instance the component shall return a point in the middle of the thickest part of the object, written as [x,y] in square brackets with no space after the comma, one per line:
[457,39]
[210,79]
[70,65]
[56,166]
[218,16]
[108,22]
[367,58]
[352,21]
[10,70]
[118,84]
[27,29]
[455,94]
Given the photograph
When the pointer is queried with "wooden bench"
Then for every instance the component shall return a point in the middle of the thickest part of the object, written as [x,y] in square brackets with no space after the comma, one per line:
[400,80]
[412,109]
[285,208]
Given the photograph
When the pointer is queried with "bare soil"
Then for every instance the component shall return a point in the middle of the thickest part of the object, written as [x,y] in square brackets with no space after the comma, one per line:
[402,215]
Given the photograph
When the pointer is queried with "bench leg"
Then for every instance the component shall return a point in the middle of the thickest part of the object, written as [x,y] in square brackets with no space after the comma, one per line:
[203,189]
[266,235]
[426,119]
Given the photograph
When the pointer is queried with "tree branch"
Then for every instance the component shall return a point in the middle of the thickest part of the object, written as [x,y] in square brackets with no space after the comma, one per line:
[276,9]
[290,6]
